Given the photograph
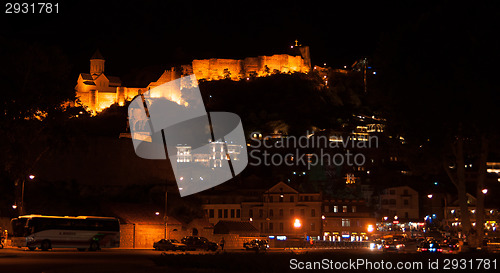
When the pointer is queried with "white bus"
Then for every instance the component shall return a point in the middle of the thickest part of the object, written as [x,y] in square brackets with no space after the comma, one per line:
[81,232]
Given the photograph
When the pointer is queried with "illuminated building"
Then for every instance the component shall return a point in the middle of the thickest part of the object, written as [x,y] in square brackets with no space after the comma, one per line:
[347,220]
[97,91]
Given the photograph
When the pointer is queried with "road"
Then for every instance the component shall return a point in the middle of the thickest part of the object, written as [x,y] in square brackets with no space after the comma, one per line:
[150,261]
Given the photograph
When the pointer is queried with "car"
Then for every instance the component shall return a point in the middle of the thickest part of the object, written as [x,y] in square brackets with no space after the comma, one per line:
[199,243]
[376,244]
[256,244]
[431,246]
[450,245]
[169,244]
[391,245]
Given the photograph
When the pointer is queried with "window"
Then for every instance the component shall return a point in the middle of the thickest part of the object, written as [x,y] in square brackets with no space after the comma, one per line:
[405,202]
[270,199]
[211,213]
[335,209]
[250,213]
[281,212]
[238,213]
[261,213]
[281,198]
[302,212]
[219,213]
[225,213]
[353,209]
[292,199]
[271,226]
[405,192]
[346,223]
[292,212]
[281,227]
[392,192]
[392,201]
[313,227]
[306,198]
[406,214]
[313,212]
[344,208]
[271,213]
[232,213]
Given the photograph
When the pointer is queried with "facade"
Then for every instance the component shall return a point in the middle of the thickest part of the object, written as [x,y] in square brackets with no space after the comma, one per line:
[222,212]
[285,211]
[399,203]
[347,220]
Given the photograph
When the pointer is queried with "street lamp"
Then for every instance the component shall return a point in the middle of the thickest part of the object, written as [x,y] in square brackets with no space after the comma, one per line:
[297,223]
[484,191]
[21,207]
[370,228]
[445,215]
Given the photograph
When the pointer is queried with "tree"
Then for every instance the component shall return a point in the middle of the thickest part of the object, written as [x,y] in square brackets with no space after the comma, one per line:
[438,78]
[35,86]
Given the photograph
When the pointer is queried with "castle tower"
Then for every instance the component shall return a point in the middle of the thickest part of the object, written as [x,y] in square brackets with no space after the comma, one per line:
[96,64]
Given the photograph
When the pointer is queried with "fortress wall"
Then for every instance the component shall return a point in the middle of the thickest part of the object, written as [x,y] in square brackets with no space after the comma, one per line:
[105,99]
[213,69]
[200,68]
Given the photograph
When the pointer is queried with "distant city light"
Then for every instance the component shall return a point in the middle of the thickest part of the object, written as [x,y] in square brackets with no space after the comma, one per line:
[484,191]
[429,196]
[157,213]
[14,206]
[31,177]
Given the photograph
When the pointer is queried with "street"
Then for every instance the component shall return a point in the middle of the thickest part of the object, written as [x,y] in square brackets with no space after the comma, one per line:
[143,260]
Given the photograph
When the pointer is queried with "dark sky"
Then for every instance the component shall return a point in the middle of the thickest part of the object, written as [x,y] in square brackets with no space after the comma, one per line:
[135,35]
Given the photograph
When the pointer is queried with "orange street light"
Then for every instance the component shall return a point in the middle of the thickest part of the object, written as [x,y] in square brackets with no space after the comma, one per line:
[370,228]
[297,223]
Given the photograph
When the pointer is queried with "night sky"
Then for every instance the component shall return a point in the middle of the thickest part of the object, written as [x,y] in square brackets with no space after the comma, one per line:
[137,36]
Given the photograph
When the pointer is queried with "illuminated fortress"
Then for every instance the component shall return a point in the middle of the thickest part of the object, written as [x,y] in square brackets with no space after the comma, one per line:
[97,91]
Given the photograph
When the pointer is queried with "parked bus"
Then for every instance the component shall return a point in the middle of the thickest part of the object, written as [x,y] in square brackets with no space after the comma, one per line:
[81,232]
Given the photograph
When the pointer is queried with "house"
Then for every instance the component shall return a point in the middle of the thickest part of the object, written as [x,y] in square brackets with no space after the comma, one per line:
[284,211]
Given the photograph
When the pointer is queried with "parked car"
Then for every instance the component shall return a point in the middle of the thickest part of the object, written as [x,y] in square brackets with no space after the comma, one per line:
[390,245]
[197,243]
[169,244]
[256,244]
[431,246]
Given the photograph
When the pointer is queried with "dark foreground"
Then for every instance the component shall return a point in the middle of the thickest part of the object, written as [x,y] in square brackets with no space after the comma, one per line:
[363,260]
